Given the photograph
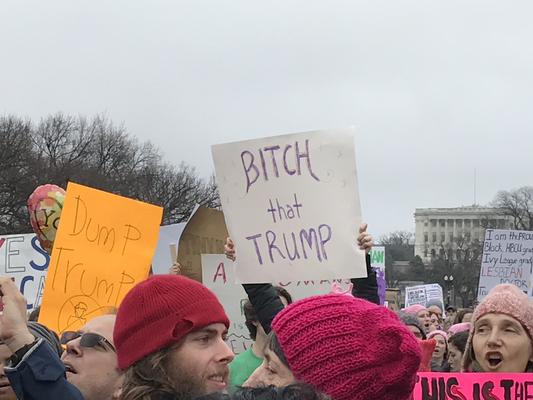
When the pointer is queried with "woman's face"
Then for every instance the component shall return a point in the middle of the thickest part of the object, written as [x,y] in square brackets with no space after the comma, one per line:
[454,358]
[423,317]
[435,323]
[440,348]
[436,310]
[501,344]
[271,372]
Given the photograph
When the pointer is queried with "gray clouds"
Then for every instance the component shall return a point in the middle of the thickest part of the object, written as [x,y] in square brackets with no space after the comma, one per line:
[435,89]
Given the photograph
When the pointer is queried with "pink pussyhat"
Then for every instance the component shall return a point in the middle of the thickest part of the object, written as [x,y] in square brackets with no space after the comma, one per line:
[336,288]
[348,348]
[432,334]
[414,309]
[462,327]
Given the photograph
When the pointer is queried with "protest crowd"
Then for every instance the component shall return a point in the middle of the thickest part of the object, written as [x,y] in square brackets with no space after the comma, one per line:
[166,340]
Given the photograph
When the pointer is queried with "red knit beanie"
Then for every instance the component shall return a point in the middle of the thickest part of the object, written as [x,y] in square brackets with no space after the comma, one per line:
[160,311]
[348,348]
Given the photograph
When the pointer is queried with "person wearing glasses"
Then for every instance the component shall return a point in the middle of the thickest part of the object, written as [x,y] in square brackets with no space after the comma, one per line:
[37,330]
[87,370]
[90,359]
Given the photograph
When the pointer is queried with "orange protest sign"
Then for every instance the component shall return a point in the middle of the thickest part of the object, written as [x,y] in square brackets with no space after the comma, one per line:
[104,246]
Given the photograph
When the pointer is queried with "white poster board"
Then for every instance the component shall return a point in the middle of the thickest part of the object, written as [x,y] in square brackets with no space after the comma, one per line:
[218,275]
[23,259]
[507,258]
[292,206]
[168,234]
[423,294]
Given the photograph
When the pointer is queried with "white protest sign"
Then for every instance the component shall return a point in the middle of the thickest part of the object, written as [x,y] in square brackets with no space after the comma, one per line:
[168,234]
[507,258]
[218,275]
[292,206]
[423,294]
[22,258]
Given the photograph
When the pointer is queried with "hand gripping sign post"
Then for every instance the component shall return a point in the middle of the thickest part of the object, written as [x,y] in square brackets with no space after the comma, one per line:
[104,246]
[291,206]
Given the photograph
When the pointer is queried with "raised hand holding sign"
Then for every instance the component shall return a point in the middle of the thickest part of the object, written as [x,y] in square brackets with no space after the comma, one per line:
[286,200]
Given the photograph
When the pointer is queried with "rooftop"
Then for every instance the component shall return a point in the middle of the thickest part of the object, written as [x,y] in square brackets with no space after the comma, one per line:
[459,210]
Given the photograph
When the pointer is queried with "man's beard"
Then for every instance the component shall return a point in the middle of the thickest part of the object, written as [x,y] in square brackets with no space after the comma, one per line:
[187,386]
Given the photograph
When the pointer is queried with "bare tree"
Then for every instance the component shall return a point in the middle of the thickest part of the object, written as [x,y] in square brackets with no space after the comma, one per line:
[94,152]
[463,262]
[398,247]
[397,238]
[518,204]
[18,177]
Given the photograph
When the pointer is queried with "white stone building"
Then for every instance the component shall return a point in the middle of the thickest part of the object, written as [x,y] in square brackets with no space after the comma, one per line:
[437,229]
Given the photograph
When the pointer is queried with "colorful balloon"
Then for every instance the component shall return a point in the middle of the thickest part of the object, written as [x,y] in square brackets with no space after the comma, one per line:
[45,205]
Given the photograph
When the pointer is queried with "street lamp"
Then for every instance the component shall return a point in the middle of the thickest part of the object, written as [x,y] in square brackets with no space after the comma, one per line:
[449,282]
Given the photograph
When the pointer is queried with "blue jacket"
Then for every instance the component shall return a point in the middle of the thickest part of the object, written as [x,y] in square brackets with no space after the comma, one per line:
[40,375]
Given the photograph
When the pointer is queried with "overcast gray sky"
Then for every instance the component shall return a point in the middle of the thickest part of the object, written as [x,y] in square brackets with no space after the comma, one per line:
[435,89]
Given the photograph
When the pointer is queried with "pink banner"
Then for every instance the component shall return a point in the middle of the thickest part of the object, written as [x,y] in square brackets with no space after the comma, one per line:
[475,386]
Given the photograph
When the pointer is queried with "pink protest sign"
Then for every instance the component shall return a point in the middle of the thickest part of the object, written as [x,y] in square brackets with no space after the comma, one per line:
[473,386]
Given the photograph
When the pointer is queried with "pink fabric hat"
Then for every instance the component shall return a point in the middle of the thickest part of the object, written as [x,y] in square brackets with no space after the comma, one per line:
[348,348]
[414,309]
[462,327]
[432,334]
[502,299]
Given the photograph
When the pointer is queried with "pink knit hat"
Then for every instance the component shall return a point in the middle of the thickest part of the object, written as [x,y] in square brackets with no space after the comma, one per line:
[502,299]
[461,327]
[348,348]
[432,334]
[414,309]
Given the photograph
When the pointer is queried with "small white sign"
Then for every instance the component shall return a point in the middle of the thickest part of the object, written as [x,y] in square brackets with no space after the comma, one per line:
[423,294]
[507,258]
[168,235]
[23,259]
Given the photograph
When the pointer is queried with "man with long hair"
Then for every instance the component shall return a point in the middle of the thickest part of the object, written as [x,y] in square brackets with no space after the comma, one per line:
[170,338]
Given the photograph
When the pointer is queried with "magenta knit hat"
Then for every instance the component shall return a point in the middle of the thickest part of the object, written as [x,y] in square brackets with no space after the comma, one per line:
[160,311]
[502,299]
[414,309]
[348,348]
